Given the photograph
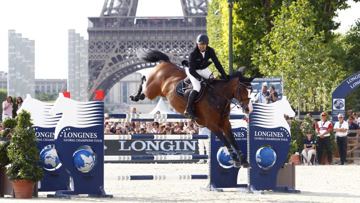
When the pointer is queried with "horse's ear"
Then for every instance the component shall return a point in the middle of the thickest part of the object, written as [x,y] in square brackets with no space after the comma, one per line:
[250,79]
[241,69]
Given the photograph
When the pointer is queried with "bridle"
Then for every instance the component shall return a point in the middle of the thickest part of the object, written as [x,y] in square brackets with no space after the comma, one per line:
[238,95]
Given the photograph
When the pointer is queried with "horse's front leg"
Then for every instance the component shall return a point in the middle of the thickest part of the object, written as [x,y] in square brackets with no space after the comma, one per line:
[234,150]
[230,148]
[140,95]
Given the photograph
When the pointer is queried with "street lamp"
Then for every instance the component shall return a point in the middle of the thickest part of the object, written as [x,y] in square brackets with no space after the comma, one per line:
[230,2]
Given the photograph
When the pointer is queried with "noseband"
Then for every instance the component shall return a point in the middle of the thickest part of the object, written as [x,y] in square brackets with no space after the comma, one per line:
[238,92]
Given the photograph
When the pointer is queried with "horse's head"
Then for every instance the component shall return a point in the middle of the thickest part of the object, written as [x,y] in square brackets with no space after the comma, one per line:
[242,89]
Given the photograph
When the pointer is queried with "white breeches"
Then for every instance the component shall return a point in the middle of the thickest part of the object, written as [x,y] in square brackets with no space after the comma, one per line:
[307,155]
[205,73]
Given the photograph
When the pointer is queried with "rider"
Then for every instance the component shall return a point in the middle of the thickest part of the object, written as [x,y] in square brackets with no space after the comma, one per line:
[198,70]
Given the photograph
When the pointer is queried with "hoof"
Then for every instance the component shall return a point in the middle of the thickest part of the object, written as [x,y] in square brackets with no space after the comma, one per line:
[134,98]
[142,96]
[237,164]
[245,164]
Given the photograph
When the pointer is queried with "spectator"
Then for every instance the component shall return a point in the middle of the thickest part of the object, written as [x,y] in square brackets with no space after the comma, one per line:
[341,128]
[323,129]
[19,102]
[162,129]
[7,108]
[107,130]
[142,130]
[273,95]
[353,127]
[156,127]
[356,117]
[169,130]
[261,97]
[190,128]
[309,151]
[178,128]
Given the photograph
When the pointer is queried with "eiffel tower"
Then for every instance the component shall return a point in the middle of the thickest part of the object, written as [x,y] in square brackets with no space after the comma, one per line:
[115,36]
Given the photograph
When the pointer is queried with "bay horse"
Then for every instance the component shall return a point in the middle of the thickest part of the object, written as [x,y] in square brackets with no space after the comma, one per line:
[213,108]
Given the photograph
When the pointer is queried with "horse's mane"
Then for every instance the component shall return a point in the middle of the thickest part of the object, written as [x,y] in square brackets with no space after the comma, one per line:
[152,55]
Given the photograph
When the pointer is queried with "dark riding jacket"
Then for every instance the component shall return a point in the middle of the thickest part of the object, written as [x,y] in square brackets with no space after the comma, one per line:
[198,62]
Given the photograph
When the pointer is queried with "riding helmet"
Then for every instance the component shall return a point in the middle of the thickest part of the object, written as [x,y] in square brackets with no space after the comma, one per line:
[202,38]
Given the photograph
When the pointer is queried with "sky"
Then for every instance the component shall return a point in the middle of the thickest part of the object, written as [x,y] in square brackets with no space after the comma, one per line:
[48,21]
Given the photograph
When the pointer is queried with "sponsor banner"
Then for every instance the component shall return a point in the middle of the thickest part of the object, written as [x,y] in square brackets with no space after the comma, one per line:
[152,147]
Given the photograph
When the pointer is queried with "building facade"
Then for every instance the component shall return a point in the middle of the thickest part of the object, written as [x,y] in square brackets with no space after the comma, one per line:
[21,74]
[50,86]
[117,99]
[3,80]
[78,67]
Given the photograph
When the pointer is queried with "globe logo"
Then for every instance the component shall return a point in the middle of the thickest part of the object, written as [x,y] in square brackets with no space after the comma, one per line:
[265,157]
[49,158]
[224,159]
[339,104]
[84,159]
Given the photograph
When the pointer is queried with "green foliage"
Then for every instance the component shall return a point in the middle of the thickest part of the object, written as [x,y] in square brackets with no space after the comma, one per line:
[46,97]
[249,27]
[9,123]
[22,151]
[297,137]
[352,46]
[307,126]
[294,50]
[4,159]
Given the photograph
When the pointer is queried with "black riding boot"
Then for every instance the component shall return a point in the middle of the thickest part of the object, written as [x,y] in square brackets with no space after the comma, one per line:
[190,111]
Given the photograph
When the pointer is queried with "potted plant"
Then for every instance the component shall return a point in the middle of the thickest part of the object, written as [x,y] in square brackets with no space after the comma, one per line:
[5,185]
[24,169]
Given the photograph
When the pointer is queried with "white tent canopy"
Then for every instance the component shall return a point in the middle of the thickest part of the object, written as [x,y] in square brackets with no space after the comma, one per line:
[162,107]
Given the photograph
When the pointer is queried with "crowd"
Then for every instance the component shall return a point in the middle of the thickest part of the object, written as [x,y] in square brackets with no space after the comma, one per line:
[316,146]
[9,107]
[137,127]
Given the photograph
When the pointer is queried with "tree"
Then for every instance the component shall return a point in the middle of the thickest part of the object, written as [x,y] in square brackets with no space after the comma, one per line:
[46,97]
[252,20]
[325,11]
[249,26]
[294,50]
[352,61]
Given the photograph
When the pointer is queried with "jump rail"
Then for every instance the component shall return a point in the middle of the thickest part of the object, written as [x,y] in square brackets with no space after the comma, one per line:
[163,177]
[179,157]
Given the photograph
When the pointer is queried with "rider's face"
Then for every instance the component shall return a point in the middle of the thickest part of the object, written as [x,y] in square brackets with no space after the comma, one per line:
[202,47]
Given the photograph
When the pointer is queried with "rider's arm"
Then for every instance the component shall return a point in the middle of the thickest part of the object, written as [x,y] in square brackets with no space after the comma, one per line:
[217,63]
[192,67]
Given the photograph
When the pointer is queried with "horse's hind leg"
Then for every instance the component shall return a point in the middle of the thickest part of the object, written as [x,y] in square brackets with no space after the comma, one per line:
[234,149]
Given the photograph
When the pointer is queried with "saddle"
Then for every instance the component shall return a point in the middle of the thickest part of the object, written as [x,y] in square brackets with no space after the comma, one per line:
[184,87]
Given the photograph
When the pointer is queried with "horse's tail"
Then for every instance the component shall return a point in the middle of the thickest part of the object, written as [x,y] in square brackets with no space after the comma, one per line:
[152,55]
